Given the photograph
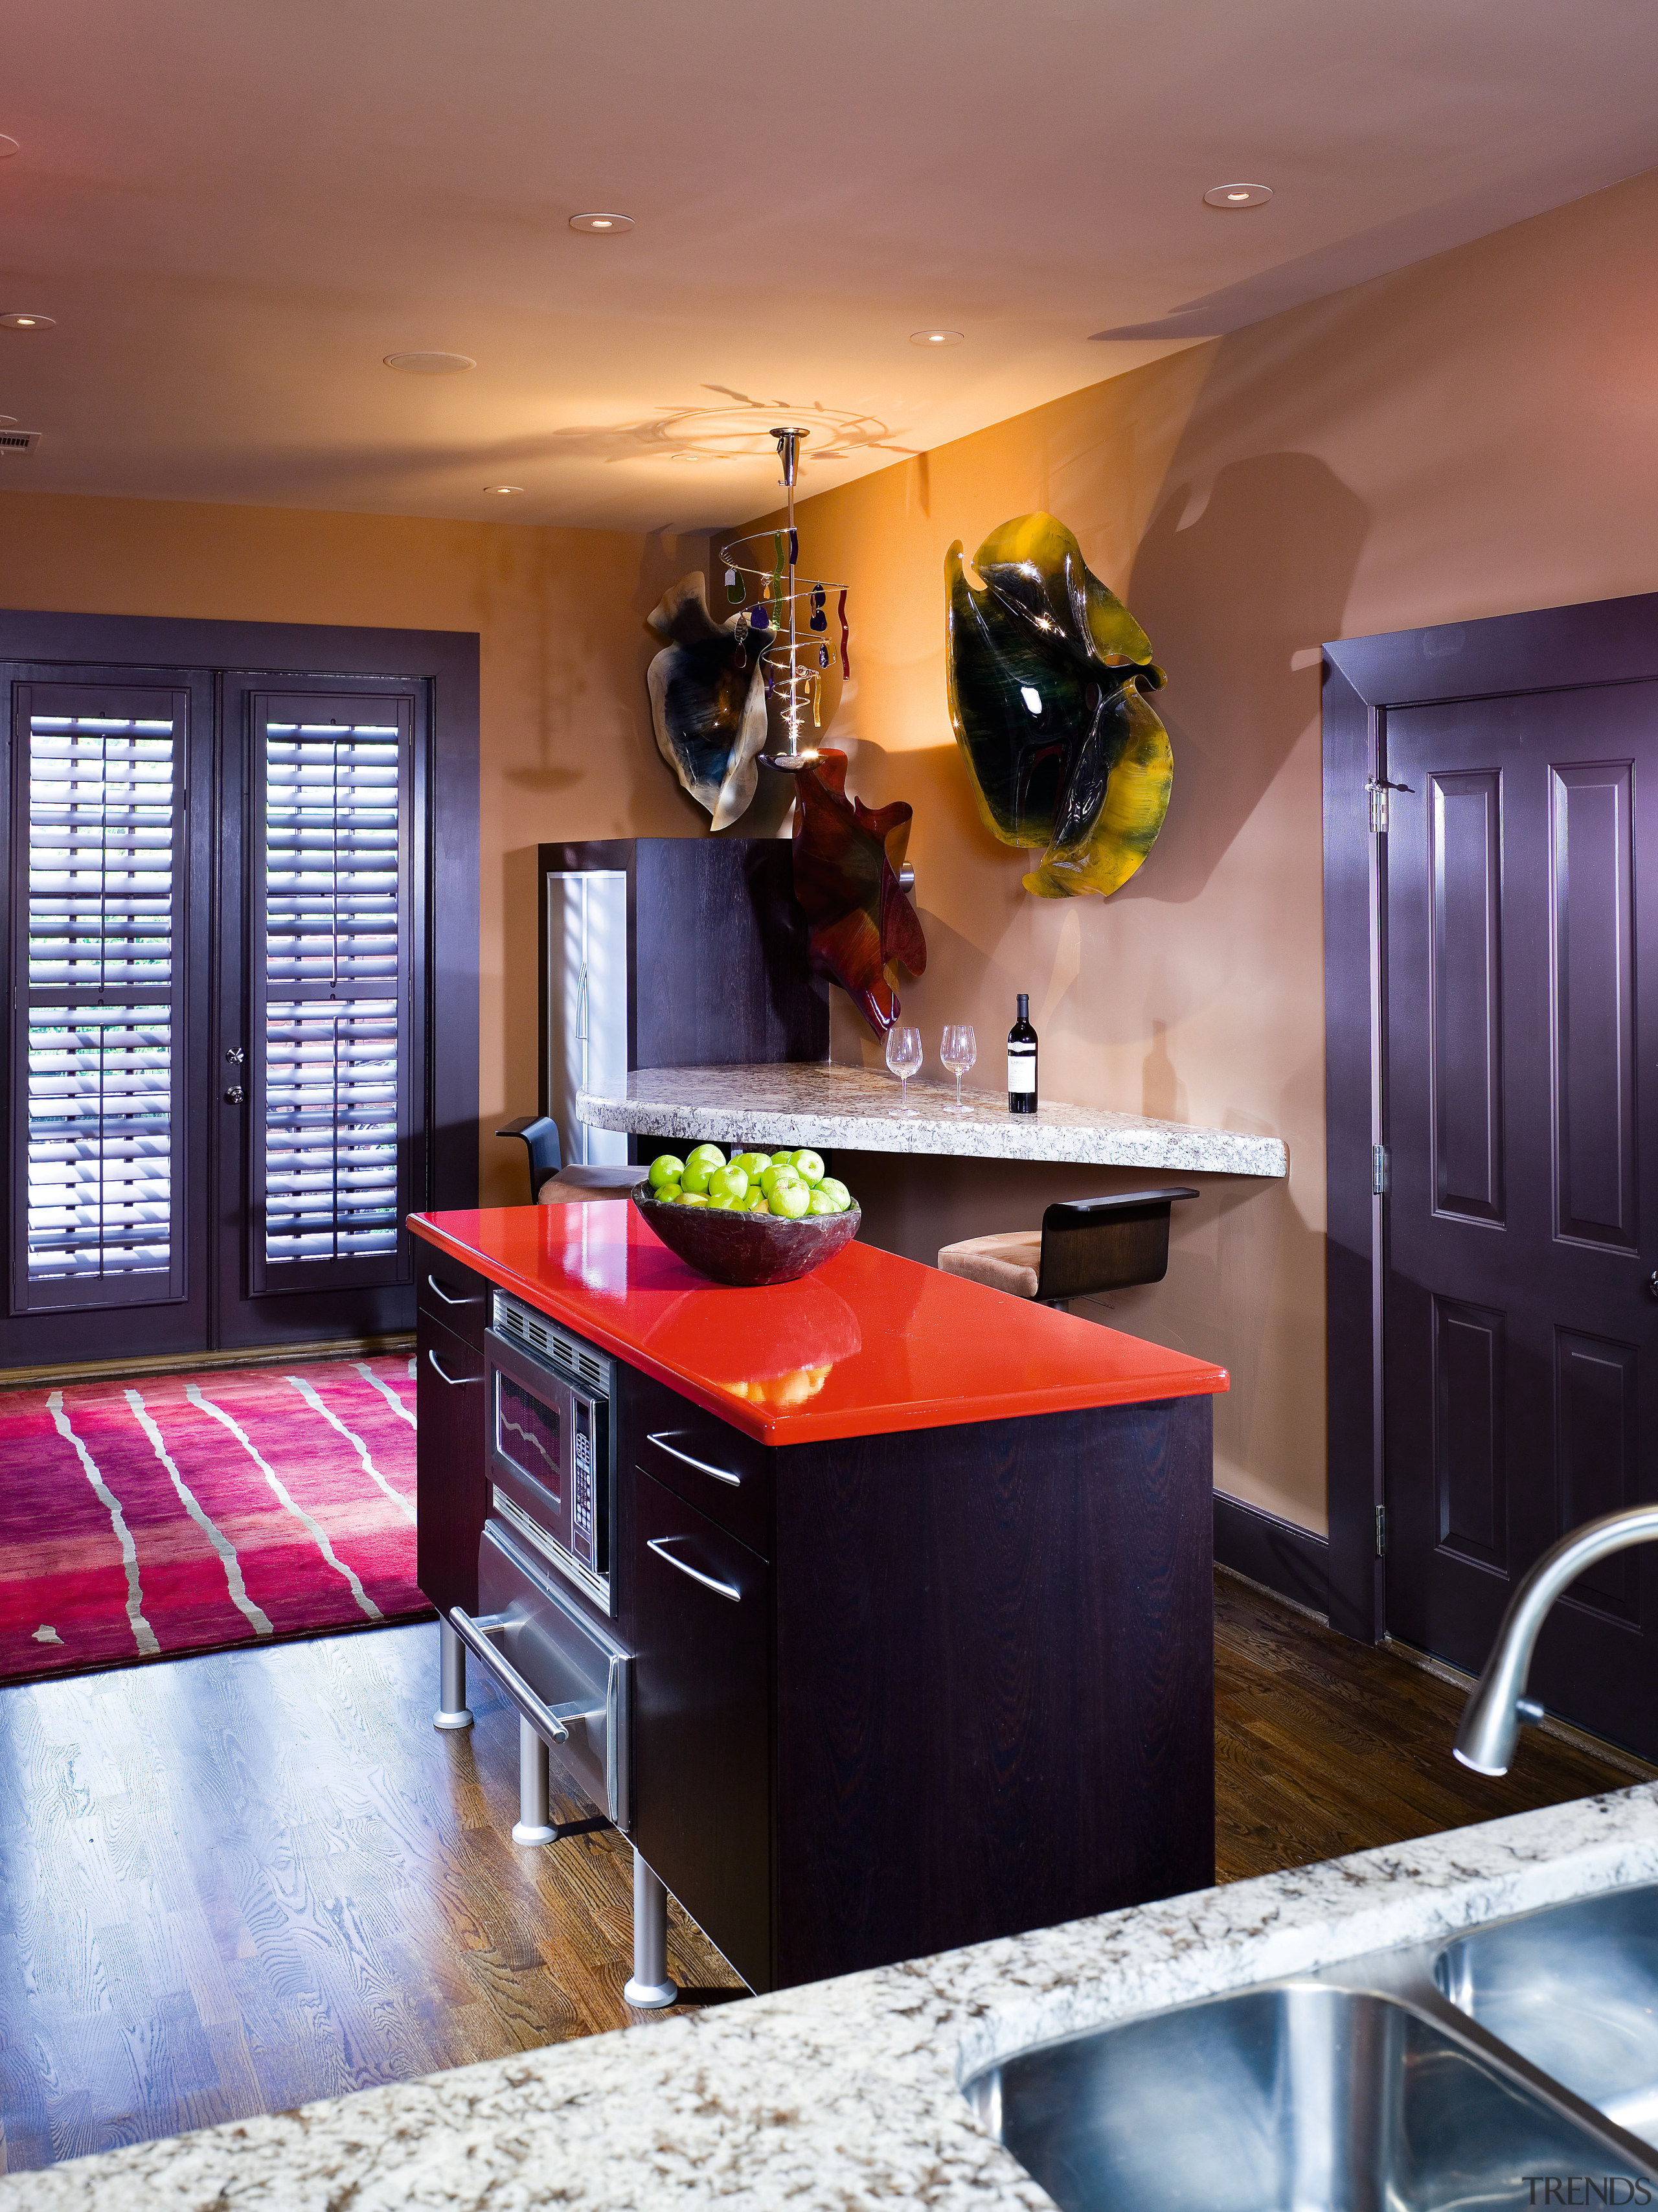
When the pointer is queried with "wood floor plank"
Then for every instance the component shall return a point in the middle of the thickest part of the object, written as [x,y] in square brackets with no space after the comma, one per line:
[235,1883]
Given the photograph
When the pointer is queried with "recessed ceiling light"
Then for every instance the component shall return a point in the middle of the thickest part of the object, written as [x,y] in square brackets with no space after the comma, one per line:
[430,364]
[1237,196]
[602,226]
[7,146]
[935,338]
[21,320]
[503,491]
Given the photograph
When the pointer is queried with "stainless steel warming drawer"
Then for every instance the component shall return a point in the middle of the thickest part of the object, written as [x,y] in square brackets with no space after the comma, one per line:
[569,1680]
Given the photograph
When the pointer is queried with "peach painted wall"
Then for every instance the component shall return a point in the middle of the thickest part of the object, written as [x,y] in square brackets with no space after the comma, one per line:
[1471,436]
[567,748]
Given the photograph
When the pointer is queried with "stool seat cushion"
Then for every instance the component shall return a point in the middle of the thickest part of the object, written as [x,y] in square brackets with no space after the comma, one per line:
[1010,1261]
[579,1183]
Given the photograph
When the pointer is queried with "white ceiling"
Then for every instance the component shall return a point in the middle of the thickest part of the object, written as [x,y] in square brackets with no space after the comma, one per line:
[234,208]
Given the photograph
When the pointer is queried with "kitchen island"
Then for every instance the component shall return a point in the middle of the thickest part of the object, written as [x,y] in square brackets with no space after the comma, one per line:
[911,1580]
[850,2093]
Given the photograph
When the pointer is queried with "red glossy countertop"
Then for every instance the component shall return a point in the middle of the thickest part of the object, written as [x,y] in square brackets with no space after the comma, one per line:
[870,1344]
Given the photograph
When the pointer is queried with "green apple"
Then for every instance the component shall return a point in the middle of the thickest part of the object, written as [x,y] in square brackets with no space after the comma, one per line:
[782,1159]
[810,1166]
[667,1193]
[823,1203]
[728,1182]
[711,1153]
[791,1199]
[697,1175]
[692,1198]
[772,1176]
[757,1202]
[835,1189]
[750,1162]
[664,1168]
[725,1205]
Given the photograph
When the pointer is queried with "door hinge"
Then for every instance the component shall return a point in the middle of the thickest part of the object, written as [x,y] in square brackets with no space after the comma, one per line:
[1381,1532]
[1380,1171]
[1379,786]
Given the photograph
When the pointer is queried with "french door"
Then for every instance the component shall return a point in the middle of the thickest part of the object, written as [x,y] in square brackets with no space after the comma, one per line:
[217,1045]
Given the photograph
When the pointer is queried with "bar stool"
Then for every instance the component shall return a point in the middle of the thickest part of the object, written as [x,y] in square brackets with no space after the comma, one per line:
[552,1183]
[1085,1246]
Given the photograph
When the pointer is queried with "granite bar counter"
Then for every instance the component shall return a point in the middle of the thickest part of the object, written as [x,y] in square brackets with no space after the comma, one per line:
[845,2093]
[855,1109]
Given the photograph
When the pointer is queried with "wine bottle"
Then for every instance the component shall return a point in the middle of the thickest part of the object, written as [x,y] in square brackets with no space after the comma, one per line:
[1021,1062]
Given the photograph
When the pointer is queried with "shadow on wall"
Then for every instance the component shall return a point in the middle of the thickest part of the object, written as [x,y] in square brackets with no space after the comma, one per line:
[1260,571]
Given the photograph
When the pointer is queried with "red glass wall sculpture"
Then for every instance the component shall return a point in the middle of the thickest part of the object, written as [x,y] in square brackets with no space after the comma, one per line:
[846,859]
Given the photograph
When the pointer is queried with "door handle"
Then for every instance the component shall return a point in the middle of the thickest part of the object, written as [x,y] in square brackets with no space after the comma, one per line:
[719,1473]
[1652,1284]
[234,1096]
[660,1546]
[438,1291]
[455,1382]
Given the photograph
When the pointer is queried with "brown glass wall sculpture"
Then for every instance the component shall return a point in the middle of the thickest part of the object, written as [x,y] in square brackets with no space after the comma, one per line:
[846,858]
[1048,674]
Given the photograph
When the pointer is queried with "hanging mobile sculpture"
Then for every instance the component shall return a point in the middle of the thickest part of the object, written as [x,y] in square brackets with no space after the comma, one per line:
[846,857]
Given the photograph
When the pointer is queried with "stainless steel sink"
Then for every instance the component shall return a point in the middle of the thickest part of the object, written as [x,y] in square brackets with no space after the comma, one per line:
[1574,1990]
[1298,2095]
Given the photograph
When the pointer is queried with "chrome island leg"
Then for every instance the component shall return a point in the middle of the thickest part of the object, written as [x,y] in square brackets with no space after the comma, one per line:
[650,1985]
[534,1822]
[451,1711]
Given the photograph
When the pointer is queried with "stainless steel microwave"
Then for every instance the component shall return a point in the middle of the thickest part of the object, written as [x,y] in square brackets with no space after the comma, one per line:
[552,1443]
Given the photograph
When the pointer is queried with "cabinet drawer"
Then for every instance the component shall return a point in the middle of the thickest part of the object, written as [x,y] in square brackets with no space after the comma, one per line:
[702,1763]
[451,1488]
[454,1295]
[704,1459]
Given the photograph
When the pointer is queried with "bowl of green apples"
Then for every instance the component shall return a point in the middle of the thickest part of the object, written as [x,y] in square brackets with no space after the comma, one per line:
[754,1218]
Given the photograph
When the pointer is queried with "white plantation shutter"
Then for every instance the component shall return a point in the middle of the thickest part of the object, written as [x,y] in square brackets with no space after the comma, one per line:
[335,997]
[98,998]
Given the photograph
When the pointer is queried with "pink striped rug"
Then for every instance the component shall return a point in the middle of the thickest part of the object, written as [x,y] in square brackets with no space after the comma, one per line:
[188,1512]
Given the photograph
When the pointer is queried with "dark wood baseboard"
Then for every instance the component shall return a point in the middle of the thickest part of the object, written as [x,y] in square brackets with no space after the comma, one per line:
[191,1363]
[1291,1561]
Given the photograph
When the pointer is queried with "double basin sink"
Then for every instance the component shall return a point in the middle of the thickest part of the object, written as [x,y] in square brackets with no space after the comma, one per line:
[1473,2072]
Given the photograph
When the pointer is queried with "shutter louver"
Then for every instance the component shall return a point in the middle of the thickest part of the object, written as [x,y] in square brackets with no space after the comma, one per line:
[100,1036]
[335,991]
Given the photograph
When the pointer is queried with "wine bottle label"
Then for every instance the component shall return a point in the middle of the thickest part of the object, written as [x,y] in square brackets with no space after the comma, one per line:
[1022,1072]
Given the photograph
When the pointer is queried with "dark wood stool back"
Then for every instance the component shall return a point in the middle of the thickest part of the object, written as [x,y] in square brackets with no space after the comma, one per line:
[1095,1244]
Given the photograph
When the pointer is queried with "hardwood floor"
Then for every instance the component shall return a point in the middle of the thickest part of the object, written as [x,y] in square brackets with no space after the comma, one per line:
[235,1883]
[1324,1747]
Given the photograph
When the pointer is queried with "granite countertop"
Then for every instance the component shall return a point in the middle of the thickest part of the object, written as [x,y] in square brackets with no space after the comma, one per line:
[806,1103]
[845,2093]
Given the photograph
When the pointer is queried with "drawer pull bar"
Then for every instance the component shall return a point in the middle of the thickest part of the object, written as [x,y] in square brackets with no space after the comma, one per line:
[455,1382]
[660,1546]
[438,1291]
[719,1474]
[480,1635]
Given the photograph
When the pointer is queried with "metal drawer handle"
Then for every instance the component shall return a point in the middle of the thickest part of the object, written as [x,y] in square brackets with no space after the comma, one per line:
[438,1291]
[455,1382]
[478,1634]
[656,1436]
[660,1546]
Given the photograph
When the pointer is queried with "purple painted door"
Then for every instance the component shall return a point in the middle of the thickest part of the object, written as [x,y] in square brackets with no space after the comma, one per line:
[1522,1118]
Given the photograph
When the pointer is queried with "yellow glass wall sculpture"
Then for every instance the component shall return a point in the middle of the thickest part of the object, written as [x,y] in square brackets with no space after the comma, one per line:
[1048,676]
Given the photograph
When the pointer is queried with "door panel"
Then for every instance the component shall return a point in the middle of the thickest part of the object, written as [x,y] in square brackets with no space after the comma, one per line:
[322,1155]
[106,928]
[1522,1214]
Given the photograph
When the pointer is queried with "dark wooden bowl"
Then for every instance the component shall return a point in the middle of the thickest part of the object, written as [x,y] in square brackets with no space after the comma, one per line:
[750,1248]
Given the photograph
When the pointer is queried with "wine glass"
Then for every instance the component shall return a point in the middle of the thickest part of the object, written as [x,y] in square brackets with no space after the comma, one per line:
[904,1058]
[958,1052]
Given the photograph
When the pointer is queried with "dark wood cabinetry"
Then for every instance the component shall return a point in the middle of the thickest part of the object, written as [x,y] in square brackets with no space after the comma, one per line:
[449,1409]
[701,1739]
[894,1693]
